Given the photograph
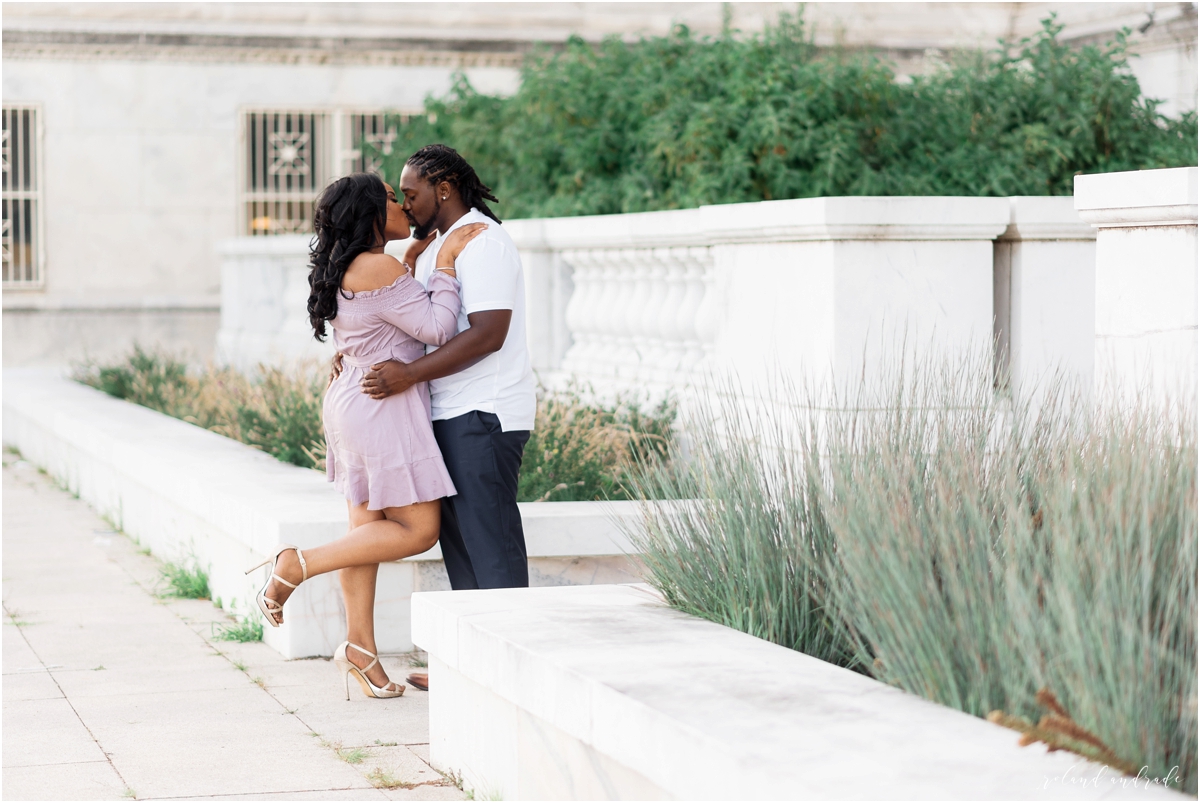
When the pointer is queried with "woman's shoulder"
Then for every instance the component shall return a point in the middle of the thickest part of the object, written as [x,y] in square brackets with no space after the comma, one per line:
[371,272]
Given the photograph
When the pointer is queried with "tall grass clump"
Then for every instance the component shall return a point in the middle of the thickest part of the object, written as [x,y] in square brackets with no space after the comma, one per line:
[583,449]
[990,556]
[747,543]
[184,581]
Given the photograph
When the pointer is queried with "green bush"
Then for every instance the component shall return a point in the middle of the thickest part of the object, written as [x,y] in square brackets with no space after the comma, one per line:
[277,411]
[582,451]
[680,121]
[577,450]
[961,550]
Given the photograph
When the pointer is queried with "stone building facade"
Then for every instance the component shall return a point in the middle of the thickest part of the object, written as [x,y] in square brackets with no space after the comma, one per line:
[137,136]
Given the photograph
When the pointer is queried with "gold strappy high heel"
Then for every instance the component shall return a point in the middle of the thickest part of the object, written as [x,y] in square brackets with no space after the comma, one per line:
[268,606]
[369,688]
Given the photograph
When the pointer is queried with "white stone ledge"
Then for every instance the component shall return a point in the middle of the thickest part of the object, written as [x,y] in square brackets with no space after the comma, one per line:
[186,492]
[805,219]
[40,301]
[1138,198]
[603,692]
[285,245]
[1045,217]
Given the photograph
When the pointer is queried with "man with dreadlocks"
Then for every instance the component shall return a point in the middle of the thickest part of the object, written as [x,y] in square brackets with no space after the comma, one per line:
[481,381]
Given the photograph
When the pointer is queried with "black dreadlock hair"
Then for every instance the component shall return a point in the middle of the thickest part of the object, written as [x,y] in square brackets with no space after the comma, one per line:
[438,163]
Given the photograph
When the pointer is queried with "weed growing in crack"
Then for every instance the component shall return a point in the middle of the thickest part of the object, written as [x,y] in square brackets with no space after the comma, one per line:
[382,779]
[243,631]
[353,756]
[184,582]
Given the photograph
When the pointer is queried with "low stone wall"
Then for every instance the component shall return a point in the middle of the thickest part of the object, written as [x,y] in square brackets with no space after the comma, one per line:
[813,287]
[604,693]
[1146,310]
[187,493]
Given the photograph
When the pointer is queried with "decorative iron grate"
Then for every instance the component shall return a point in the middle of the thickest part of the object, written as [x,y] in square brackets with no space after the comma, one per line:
[290,156]
[21,229]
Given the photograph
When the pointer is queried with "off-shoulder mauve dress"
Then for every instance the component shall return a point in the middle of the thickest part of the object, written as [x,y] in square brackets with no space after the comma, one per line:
[382,452]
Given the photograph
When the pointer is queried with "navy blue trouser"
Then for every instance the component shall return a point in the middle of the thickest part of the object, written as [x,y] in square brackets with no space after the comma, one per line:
[482,541]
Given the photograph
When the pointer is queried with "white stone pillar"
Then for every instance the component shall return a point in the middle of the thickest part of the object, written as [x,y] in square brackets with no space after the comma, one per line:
[1045,296]
[845,287]
[264,301]
[1145,279]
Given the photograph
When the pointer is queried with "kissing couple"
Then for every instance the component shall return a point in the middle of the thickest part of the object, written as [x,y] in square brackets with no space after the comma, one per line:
[431,397]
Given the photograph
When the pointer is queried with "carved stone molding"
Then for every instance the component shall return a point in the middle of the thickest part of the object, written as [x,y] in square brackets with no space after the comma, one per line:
[88,45]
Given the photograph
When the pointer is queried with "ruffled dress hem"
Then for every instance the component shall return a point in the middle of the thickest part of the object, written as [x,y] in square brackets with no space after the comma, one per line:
[395,486]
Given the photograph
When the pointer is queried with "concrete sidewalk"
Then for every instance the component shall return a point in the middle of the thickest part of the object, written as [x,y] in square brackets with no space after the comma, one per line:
[111,692]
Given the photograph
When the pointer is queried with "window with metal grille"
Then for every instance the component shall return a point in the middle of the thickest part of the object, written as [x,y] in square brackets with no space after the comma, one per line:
[291,155]
[375,129]
[285,167]
[22,197]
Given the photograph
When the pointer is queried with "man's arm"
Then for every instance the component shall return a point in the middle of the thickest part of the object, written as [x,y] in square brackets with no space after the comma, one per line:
[485,336]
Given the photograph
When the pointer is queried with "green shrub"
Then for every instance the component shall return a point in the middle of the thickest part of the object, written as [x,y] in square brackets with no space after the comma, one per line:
[583,451]
[680,121]
[577,451]
[278,411]
[950,545]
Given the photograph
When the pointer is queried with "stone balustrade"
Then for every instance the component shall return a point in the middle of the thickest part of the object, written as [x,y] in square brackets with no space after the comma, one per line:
[806,286]
[637,314]
[809,288]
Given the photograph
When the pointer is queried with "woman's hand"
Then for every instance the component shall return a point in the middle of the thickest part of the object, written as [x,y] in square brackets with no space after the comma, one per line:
[456,241]
[335,368]
[417,247]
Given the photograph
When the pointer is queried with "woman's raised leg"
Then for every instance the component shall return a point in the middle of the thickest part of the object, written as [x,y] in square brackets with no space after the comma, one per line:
[375,536]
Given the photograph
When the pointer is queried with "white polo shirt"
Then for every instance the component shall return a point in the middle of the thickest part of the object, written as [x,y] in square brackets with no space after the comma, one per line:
[489,271]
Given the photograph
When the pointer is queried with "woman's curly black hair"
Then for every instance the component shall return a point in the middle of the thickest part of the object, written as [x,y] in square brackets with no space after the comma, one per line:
[349,218]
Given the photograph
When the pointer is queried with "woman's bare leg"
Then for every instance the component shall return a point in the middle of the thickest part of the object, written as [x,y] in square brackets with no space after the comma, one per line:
[375,536]
[358,591]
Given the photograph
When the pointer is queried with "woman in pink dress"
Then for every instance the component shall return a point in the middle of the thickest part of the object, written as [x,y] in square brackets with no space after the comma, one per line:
[380,454]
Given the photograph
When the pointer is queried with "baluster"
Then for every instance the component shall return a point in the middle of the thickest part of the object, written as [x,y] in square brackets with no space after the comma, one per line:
[705,318]
[610,312]
[674,267]
[599,303]
[578,312]
[641,313]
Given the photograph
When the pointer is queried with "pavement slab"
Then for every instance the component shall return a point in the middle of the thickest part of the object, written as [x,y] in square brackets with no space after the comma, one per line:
[113,692]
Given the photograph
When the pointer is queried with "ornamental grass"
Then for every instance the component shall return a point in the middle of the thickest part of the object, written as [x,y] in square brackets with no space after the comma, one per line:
[986,555]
